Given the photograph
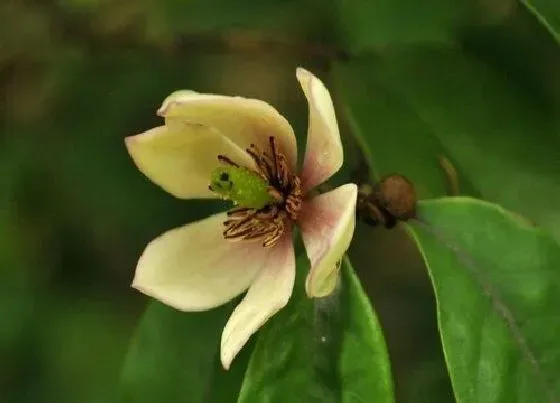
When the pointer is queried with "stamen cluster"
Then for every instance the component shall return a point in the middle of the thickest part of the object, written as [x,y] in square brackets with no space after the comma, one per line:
[269,222]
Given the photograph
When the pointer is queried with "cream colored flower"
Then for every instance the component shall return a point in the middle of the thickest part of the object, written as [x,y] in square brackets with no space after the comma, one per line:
[207,263]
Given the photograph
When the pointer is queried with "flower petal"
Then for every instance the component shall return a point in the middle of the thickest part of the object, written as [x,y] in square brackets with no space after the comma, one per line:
[193,268]
[243,120]
[269,293]
[327,224]
[323,153]
[180,159]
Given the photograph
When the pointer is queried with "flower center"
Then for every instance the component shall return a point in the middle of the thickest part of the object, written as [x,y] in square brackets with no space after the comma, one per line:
[268,197]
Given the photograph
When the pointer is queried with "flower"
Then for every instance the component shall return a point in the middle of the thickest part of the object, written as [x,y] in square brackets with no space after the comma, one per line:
[243,149]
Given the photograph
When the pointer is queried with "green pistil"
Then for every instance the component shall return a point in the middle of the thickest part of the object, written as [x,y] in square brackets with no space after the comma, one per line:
[242,186]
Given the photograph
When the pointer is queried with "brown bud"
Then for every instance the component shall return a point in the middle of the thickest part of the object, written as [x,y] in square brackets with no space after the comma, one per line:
[396,195]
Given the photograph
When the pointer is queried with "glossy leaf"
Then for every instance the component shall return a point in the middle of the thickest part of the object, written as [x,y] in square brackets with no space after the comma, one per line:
[440,102]
[548,13]
[364,364]
[497,286]
[321,350]
[174,356]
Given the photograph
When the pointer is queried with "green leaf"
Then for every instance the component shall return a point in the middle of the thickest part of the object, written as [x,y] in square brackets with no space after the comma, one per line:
[174,357]
[497,284]
[321,350]
[362,379]
[371,23]
[412,105]
[547,12]
[393,138]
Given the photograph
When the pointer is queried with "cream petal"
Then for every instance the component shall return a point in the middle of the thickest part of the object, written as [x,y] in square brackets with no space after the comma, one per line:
[180,159]
[327,224]
[323,153]
[243,120]
[193,268]
[269,293]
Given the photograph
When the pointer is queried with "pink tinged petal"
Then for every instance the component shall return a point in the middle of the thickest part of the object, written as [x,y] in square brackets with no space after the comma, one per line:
[243,120]
[193,268]
[181,159]
[269,293]
[323,154]
[327,224]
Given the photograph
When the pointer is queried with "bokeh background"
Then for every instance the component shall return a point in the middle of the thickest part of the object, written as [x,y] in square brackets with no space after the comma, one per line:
[77,76]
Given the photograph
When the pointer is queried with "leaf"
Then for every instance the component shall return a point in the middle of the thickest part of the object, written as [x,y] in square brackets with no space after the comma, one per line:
[372,23]
[321,350]
[174,357]
[392,135]
[548,13]
[502,142]
[362,380]
[497,286]
[393,138]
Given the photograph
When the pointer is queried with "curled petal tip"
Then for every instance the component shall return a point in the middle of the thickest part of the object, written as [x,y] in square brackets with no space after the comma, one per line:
[226,361]
[174,99]
[302,73]
[325,287]
[327,226]
[165,106]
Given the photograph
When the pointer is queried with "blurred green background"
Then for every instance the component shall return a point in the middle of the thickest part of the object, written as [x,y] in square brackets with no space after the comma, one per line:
[77,76]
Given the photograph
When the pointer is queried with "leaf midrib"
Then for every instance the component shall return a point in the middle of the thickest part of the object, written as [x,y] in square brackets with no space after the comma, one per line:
[499,306]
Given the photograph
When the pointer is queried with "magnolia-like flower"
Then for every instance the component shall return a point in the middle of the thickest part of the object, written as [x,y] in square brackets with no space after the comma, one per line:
[244,150]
